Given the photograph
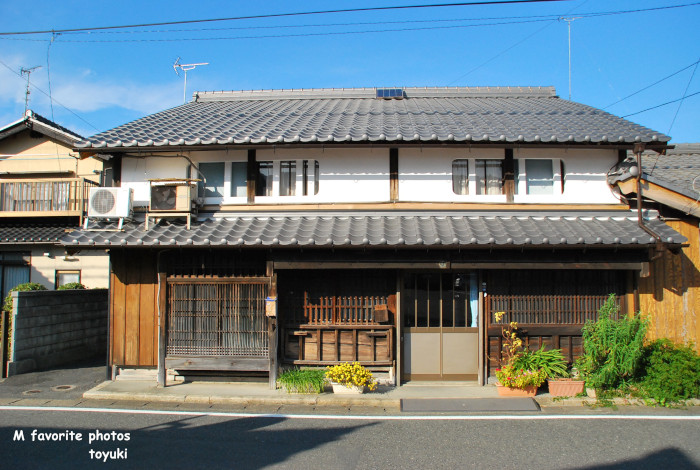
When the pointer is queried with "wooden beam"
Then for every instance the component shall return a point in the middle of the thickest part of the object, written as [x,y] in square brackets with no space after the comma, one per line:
[213,363]
[281,265]
[573,265]
[664,196]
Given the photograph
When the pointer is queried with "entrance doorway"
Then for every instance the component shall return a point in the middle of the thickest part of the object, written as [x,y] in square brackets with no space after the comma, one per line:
[440,326]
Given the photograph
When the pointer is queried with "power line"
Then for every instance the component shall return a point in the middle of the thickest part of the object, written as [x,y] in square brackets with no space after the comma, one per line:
[685,92]
[281,15]
[660,105]
[655,83]
[50,98]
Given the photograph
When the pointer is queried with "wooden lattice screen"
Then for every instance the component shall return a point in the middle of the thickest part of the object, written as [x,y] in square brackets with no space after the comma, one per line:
[217,317]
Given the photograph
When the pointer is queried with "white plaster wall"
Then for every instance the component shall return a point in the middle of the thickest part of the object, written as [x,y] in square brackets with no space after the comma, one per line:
[93,266]
[137,171]
[425,175]
[585,179]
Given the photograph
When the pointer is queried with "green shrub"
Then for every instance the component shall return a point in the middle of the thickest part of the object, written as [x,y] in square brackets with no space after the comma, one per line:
[71,286]
[613,348]
[303,380]
[550,361]
[27,286]
[672,373]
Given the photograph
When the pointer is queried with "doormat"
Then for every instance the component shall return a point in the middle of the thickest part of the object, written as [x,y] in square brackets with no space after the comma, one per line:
[469,404]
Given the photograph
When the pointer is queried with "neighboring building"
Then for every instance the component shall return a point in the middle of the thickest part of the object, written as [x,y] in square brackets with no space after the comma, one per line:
[43,190]
[670,291]
[388,224]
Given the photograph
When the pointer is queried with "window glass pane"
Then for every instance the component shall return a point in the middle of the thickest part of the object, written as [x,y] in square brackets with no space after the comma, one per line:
[422,291]
[263,185]
[288,178]
[489,177]
[408,309]
[66,277]
[214,175]
[447,301]
[460,299]
[14,276]
[434,301]
[460,177]
[239,185]
[540,177]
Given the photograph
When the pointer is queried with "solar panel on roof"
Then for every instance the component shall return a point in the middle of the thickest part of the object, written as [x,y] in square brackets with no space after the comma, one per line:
[390,93]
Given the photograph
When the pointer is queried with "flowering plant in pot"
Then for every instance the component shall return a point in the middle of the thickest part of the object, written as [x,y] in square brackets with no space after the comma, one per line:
[350,377]
[518,375]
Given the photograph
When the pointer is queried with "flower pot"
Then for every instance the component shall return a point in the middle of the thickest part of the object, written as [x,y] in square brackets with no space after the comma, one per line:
[591,392]
[565,387]
[529,391]
[348,389]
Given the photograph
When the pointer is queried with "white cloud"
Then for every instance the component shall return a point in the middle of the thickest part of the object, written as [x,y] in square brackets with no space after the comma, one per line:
[87,96]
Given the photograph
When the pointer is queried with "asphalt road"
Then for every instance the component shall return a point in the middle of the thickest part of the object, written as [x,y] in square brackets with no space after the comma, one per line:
[203,441]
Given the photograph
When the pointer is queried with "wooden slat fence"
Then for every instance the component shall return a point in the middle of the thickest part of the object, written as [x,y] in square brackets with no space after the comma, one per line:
[42,196]
[340,310]
[544,309]
[217,317]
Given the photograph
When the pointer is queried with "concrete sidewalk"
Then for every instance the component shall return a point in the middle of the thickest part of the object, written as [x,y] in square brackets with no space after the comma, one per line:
[247,393]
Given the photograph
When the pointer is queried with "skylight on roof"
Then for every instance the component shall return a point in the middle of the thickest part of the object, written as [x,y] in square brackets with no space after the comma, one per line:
[390,93]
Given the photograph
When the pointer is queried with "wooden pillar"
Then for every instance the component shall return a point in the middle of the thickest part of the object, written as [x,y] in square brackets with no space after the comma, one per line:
[272,329]
[509,175]
[162,337]
[394,174]
[398,329]
[252,171]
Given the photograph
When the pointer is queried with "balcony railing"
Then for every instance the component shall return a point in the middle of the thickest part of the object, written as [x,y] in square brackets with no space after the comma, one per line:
[31,198]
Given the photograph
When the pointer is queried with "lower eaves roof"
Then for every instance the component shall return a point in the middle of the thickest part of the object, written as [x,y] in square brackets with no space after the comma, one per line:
[32,233]
[386,230]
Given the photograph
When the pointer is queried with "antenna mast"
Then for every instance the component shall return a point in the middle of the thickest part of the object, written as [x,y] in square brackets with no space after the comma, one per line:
[27,72]
[568,23]
[185,68]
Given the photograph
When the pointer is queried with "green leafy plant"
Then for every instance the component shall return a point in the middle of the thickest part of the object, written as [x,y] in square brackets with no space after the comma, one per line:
[550,361]
[71,286]
[27,286]
[613,348]
[351,374]
[672,372]
[303,380]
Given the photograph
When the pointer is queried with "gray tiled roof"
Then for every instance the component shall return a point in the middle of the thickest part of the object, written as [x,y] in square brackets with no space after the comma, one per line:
[390,230]
[40,124]
[678,170]
[32,233]
[478,115]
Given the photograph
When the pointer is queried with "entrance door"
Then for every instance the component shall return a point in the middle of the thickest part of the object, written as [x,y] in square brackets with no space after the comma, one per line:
[440,331]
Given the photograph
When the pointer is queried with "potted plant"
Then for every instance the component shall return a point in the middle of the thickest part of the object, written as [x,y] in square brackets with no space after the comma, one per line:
[518,375]
[303,381]
[350,377]
[552,362]
[566,385]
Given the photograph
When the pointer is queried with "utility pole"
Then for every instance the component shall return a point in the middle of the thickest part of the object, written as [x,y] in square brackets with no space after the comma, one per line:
[27,72]
[185,68]
[568,23]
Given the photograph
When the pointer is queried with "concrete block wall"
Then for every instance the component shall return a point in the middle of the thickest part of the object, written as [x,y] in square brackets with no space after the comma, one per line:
[55,327]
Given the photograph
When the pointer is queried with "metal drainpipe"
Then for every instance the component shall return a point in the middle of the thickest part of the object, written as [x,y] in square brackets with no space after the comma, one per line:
[660,246]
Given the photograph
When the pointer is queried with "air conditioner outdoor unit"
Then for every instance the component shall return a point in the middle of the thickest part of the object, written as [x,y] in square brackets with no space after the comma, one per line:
[174,197]
[110,203]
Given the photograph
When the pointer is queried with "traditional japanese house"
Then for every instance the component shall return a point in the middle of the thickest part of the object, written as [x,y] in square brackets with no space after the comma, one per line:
[307,227]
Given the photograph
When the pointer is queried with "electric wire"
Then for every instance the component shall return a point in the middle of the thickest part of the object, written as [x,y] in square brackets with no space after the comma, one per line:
[655,83]
[660,105]
[685,92]
[281,15]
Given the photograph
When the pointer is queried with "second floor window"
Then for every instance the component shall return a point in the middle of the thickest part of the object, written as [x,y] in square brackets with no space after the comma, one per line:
[460,177]
[539,176]
[239,177]
[214,176]
[263,185]
[288,177]
[489,176]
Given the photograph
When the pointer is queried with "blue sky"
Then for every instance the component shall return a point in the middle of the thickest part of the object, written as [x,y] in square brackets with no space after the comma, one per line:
[108,78]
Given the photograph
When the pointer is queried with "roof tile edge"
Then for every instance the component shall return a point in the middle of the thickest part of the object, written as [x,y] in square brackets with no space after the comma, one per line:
[370,93]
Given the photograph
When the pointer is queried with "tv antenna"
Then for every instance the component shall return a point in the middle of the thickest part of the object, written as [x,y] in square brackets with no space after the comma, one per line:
[568,23]
[27,72]
[185,68]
